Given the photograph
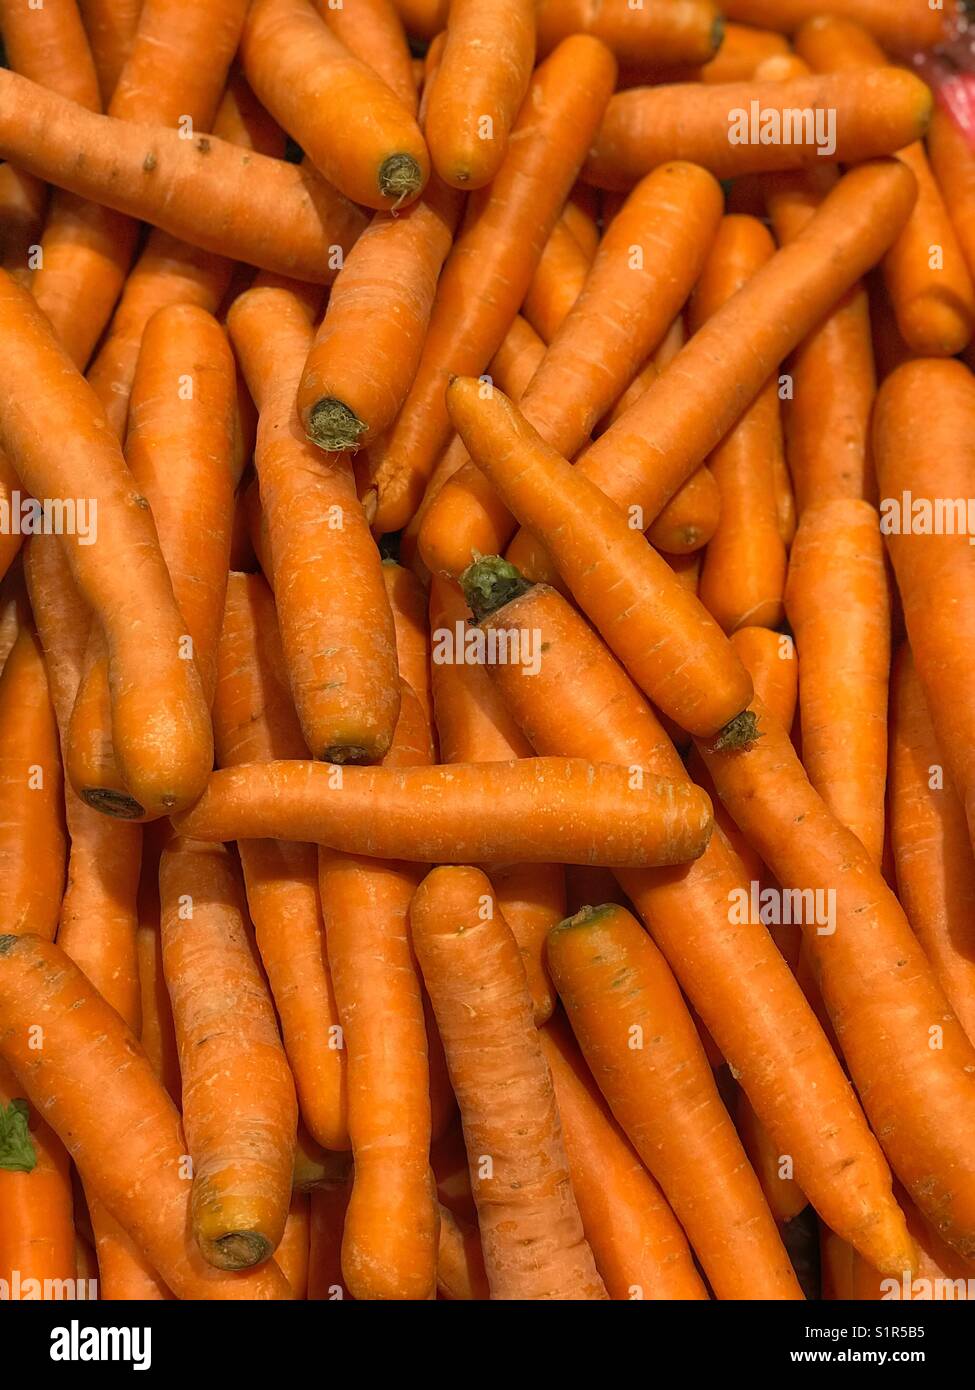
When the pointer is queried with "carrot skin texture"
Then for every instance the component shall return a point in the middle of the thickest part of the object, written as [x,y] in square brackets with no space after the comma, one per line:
[531,1231]
[687,32]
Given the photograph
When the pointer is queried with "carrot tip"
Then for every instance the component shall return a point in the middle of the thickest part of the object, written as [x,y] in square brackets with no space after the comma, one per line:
[112,803]
[585,917]
[334,427]
[237,1250]
[489,583]
[400,178]
[739,732]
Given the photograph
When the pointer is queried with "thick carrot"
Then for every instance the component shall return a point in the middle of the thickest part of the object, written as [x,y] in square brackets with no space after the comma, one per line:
[646,1058]
[582,700]
[557,283]
[48,44]
[656,31]
[88,1050]
[368,346]
[490,269]
[253,721]
[660,631]
[372,31]
[531,1230]
[908,26]
[915,1078]
[203,190]
[922,430]
[110,26]
[303,74]
[177,63]
[36,1226]
[838,602]
[479,86]
[642,459]
[925,272]
[238,1096]
[639,279]
[338,634]
[474,726]
[640,1250]
[933,857]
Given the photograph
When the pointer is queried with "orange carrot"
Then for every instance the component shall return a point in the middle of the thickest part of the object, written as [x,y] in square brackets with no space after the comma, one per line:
[531,1230]
[907,27]
[770,659]
[158,1032]
[23,206]
[48,44]
[953,163]
[292,1254]
[639,1248]
[460,1260]
[490,269]
[338,634]
[839,610]
[301,72]
[110,26]
[785,1197]
[177,63]
[656,31]
[238,1096]
[372,31]
[408,605]
[424,18]
[557,283]
[659,630]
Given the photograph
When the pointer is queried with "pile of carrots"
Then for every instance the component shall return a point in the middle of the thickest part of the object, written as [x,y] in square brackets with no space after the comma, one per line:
[487,777]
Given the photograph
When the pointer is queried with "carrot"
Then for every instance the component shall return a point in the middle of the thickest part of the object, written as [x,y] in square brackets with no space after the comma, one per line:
[645,1056]
[531,1231]
[372,31]
[581,215]
[641,276]
[871,969]
[238,1096]
[293,1252]
[158,1032]
[328,1207]
[110,26]
[924,271]
[15,612]
[177,63]
[408,605]
[474,726]
[301,72]
[142,1184]
[656,31]
[557,283]
[23,206]
[581,700]
[785,1197]
[674,340]
[742,50]
[338,634]
[479,86]
[48,44]
[640,1250]
[36,1226]
[659,630]
[460,1260]
[921,452]
[424,18]
[935,871]
[953,164]
[642,459]
[487,275]
[32,843]
[203,190]
[770,659]
[906,27]
[254,720]
[839,610]
[368,346]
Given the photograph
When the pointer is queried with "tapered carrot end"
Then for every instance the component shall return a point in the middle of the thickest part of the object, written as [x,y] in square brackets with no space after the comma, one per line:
[740,732]
[491,582]
[334,427]
[585,917]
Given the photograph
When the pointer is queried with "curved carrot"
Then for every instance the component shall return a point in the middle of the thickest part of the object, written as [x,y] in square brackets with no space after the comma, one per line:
[646,1058]
[238,1096]
[642,459]
[531,1230]
[639,279]
[372,31]
[339,639]
[932,854]
[582,701]
[36,1227]
[906,27]
[871,969]
[141,1182]
[640,1250]
[658,629]
[838,603]
[302,72]
[368,345]
[204,190]
[254,721]
[656,31]
[487,275]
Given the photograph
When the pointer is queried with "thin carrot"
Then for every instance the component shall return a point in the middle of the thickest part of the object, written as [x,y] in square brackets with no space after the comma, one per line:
[531,1230]
[253,721]
[23,206]
[770,659]
[871,968]
[656,31]
[328,1207]
[368,346]
[338,635]
[785,1197]
[460,1260]
[660,631]
[642,459]
[489,271]
[906,27]
[408,605]
[202,190]
[923,456]
[293,1252]
[935,870]
[238,1096]
[158,1032]
[640,1250]
[639,279]
[953,163]
[301,72]
[580,701]
[838,603]
[557,283]
[110,26]
[373,32]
